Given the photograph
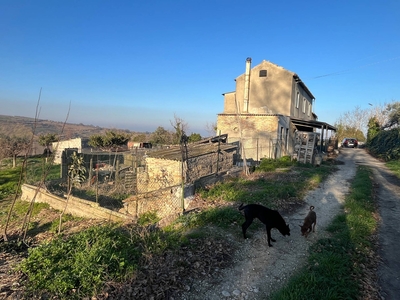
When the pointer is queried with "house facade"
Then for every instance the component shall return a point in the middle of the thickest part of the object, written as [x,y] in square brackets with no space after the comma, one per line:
[270,104]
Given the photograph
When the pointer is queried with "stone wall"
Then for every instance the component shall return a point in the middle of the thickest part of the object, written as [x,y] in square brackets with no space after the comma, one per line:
[165,202]
[161,173]
[258,133]
[210,164]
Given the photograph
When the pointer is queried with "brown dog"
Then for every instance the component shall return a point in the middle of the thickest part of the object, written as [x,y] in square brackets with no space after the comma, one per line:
[309,222]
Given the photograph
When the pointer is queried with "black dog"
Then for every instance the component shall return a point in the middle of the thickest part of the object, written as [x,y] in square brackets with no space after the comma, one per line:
[271,219]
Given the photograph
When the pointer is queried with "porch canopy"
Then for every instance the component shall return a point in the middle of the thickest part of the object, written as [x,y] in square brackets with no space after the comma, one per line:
[306,125]
[310,125]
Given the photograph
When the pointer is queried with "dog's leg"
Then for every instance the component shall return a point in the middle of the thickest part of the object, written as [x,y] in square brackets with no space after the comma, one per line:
[269,236]
[315,223]
[246,225]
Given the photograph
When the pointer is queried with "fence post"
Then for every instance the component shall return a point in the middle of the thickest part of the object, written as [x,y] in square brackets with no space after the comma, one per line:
[90,171]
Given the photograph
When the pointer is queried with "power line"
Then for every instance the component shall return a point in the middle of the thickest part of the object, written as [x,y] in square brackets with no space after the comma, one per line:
[351,69]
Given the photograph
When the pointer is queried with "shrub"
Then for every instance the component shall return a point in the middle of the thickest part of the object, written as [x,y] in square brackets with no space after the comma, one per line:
[386,144]
[78,266]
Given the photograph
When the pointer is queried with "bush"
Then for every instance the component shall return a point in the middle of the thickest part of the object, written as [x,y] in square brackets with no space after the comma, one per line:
[386,144]
[78,266]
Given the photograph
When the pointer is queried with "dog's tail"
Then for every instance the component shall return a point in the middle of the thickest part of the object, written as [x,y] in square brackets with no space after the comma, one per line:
[241,207]
[311,207]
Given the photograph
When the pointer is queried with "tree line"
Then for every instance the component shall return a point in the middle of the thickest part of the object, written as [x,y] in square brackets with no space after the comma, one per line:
[18,141]
[364,124]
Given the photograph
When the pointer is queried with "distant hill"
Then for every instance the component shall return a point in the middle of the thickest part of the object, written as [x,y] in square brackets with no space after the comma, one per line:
[9,124]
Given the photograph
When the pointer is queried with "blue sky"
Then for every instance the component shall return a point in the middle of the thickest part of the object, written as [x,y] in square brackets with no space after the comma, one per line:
[135,64]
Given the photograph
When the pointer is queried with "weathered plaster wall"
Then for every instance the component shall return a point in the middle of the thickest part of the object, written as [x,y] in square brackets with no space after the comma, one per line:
[258,132]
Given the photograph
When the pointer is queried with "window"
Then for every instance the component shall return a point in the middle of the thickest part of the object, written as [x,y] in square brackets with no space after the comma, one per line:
[263,73]
[309,109]
[298,100]
[304,105]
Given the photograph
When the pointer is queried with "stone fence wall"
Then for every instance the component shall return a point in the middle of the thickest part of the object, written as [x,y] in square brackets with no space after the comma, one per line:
[168,203]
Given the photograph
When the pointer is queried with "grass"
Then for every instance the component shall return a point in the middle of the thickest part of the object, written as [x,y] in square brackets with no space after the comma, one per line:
[33,173]
[394,166]
[19,210]
[270,190]
[8,182]
[36,167]
[334,269]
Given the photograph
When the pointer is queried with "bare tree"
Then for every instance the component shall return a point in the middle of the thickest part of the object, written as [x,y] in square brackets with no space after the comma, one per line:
[28,214]
[23,166]
[355,122]
[379,112]
[14,143]
[356,119]
[393,114]
[180,127]
[211,128]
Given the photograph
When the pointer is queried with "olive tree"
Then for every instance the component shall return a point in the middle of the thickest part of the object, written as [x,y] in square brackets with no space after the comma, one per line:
[109,141]
[46,140]
[194,137]
[76,175]
[161,136]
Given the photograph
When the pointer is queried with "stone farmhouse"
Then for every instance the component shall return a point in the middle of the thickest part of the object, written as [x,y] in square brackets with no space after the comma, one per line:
[268,109]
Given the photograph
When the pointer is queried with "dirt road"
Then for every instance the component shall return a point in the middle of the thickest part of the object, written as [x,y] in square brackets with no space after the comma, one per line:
[388,194]
[258,269]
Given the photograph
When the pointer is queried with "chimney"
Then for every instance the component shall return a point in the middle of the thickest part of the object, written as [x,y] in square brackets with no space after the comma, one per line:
[247,85]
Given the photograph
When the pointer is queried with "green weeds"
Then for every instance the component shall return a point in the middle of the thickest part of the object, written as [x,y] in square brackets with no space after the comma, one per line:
[270,165]
[78,266]
[33,173]
[8,182]
[266,190]
[148,218]
[394,166]
[19,210]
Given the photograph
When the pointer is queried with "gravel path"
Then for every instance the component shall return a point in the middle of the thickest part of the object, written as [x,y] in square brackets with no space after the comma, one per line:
[258,269]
